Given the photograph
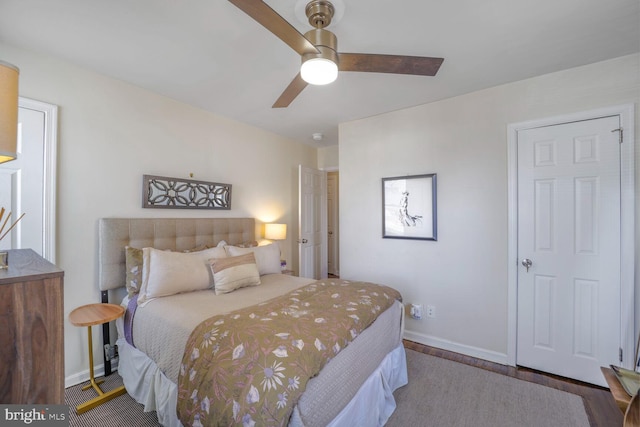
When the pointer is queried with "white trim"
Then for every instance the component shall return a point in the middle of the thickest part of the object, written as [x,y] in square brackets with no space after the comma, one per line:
[627,231]
[512,243]
[480,353]
[627,211]
[50,112]
[80,377]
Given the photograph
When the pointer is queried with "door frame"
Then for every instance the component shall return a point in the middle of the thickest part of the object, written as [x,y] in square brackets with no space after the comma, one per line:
[323,222]
[626,113]
[50,112]
[337,219]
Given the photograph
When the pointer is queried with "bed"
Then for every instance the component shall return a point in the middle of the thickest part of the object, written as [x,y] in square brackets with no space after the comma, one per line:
[355,386]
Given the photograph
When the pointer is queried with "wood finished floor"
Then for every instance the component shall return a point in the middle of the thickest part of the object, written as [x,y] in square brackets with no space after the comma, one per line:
[599,404]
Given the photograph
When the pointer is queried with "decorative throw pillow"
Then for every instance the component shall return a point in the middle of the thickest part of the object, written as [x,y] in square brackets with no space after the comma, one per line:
[267,257]
[168,273]
[252,244]
[248,244]
[233,273]
[196,249]
[133,266]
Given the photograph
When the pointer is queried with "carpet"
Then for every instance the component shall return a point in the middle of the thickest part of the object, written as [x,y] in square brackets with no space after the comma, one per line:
[440,393]
[445,393]
[122,411]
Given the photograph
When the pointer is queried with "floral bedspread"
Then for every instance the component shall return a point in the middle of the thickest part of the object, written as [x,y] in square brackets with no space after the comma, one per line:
[249,367]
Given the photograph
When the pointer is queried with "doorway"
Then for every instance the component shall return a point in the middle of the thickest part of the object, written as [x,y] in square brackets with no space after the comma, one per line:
[571,199]
[312,222]
[333,224]
[28,184]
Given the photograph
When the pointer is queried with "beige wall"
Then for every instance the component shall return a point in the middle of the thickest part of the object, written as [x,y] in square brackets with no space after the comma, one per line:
[110,134]
[464,141]
[328,158]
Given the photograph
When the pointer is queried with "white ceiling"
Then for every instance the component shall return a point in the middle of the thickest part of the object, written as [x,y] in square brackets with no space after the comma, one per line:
[210,54]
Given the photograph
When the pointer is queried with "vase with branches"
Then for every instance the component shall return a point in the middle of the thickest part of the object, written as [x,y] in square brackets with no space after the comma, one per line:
[3,233]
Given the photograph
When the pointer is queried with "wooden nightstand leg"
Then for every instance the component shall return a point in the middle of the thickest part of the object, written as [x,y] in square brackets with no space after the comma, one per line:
[102,396]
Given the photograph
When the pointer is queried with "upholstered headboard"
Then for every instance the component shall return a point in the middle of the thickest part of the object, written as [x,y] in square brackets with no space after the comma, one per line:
[177,234]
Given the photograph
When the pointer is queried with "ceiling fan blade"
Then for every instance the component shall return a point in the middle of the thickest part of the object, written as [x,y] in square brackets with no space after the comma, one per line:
[295,87]
[269,18]
[395,64]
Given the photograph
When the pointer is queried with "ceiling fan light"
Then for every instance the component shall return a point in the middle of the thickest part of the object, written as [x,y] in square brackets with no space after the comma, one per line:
[319,71]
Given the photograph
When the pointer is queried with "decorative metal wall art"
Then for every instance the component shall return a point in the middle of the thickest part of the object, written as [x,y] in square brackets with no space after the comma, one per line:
[409,207]
[176,193]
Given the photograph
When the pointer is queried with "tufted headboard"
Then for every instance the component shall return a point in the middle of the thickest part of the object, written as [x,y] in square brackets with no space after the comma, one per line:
[162,233]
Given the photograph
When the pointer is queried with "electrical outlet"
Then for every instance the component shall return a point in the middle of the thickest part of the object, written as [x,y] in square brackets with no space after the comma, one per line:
[431,311]
[416,311]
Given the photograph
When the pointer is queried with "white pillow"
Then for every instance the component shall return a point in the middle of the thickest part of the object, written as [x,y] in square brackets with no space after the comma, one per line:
[236,272]
[267,257]
[168,273]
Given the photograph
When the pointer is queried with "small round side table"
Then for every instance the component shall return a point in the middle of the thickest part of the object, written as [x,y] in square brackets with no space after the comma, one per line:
[89,315]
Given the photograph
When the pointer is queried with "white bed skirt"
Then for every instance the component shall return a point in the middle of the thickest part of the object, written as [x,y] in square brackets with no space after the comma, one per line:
[372,405]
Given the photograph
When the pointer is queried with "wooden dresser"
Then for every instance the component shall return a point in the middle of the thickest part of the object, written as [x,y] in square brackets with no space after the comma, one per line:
[31,330]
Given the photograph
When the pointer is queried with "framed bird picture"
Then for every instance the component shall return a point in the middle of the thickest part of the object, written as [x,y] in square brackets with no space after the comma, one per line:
[409,207]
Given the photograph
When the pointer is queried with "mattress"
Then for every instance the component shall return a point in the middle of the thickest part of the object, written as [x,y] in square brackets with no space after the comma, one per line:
[162,327]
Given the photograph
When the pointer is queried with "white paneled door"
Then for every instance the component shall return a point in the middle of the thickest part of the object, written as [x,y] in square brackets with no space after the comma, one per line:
[569,248]
[333,228]
[27,184]
[312,223]
[21,184]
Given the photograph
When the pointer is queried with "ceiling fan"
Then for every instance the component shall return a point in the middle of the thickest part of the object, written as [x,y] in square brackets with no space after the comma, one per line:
[318,48]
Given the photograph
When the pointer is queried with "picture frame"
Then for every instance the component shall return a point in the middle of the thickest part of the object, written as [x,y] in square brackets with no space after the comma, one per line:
[409,207]
[163,192]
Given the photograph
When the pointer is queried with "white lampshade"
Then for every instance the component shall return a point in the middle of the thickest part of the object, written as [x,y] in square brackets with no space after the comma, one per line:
[275,231]
[319,71]
[8,111]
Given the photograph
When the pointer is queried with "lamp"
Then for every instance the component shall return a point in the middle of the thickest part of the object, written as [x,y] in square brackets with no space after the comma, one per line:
[275,231]
[8,111]
[320,68]
[319,71]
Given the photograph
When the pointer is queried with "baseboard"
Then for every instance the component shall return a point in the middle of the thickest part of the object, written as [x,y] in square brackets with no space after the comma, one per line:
[80,377]
[480,353]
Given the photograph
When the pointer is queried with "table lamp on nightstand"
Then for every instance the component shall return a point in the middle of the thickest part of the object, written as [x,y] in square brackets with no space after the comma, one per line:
[276,232]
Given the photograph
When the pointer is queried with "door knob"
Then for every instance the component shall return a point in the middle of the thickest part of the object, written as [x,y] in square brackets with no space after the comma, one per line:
[302,240]
[527,263]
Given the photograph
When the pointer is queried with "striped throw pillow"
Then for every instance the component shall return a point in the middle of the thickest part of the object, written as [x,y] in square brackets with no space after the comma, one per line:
[232,273]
